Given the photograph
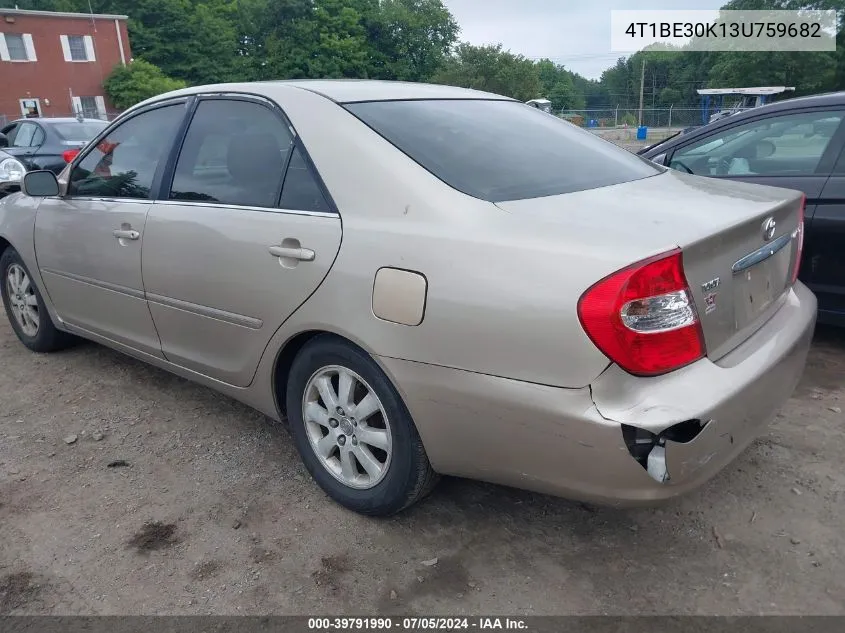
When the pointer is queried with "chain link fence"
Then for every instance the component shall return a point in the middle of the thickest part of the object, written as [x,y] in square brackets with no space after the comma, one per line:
[671,117]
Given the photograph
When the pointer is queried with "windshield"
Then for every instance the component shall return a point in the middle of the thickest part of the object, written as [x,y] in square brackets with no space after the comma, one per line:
[501,150]
[79,132]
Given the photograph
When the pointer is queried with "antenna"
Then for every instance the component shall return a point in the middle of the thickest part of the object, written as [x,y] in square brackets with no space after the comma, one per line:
[91,12]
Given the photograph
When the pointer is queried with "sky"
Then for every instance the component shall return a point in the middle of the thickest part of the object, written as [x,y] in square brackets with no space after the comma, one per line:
[575,33]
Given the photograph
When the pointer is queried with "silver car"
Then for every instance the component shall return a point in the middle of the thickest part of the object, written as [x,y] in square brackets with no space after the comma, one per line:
[424,280]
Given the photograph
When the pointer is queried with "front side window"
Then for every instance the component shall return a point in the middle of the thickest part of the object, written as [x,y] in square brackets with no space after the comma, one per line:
[501,150]
[785,145]
[123,165]
[235,152]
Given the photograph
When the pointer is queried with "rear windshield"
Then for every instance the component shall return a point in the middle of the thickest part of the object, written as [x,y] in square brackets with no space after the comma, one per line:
[500,150]
[77,131]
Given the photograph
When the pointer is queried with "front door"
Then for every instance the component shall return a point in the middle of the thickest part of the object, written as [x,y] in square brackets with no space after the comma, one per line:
[25,139]
[230,253]
[795,150]
[88,243]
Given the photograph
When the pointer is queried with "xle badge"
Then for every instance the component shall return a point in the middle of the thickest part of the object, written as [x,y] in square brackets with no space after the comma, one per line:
[711,285]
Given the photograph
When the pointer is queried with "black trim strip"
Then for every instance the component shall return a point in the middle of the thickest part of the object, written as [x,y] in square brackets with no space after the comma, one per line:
[105,285]
[204,311]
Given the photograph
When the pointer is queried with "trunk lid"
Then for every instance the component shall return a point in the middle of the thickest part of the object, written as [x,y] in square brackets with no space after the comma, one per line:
[739,241]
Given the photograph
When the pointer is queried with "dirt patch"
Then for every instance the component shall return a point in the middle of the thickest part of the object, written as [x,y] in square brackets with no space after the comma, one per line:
[154,536]
[262,555]
[17,590]
[332,569]
[200,461]
[206,570]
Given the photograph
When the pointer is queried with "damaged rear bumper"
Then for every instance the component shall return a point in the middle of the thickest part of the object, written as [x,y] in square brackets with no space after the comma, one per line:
[577,443]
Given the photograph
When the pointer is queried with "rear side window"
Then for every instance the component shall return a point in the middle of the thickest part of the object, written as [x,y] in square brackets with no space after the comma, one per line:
[500,150]
[234,153]
[301,190]
[78,132]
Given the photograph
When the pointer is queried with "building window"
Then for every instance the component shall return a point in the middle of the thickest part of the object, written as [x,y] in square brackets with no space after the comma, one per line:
[90,107]
[76,43]
[17,47]
[78,48]
[17,50]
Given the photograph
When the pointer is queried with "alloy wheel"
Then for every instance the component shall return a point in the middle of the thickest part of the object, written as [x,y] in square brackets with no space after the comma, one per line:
[347,427]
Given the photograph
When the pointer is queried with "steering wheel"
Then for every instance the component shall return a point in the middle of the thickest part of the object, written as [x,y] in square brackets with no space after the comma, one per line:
[682,166]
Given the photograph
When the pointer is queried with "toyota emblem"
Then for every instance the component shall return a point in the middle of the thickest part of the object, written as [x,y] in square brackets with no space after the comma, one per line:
[769,227]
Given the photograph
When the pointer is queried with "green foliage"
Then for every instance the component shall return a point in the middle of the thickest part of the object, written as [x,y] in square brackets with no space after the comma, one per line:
[131,84]
[492,69]
[558,86]
[208,41]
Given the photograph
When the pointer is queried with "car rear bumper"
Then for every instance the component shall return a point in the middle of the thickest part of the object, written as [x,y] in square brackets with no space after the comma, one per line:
[569,442]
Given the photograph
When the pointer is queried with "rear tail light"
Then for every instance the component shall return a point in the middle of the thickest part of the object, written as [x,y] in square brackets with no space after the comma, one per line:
[69,155]
[643,317]
[799,234]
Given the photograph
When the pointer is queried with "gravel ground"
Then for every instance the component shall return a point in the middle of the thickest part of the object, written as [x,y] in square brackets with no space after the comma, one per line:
[210,512]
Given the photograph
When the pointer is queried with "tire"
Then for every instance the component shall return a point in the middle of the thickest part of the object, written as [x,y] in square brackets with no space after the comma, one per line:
[405,476]
[36,330]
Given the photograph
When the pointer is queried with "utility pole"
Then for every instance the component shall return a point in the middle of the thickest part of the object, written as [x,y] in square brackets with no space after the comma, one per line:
[642,85]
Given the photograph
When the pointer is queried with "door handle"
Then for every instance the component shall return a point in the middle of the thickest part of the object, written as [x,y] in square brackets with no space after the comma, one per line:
[126,234]
[292,252]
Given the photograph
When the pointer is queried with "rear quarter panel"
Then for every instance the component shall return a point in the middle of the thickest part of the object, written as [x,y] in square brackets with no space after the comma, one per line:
[501,295]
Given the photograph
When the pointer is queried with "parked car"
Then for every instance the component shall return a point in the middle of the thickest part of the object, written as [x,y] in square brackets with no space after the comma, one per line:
[30,144]
[797,143]
[422,280]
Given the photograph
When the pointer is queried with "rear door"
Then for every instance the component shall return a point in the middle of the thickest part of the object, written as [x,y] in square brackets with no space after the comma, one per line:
[244,233]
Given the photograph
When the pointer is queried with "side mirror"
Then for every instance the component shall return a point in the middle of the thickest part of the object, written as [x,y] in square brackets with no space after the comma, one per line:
[4,140]
[40,184]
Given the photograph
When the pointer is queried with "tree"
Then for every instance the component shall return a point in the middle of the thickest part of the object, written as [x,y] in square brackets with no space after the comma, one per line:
[491,69]
[131,84]
[668,97]
[412,38]
[563,96]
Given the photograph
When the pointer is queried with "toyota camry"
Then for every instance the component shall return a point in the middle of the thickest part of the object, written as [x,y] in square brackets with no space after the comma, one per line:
[424,280]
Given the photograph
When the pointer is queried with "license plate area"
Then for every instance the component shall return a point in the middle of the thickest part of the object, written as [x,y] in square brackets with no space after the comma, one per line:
[760,279]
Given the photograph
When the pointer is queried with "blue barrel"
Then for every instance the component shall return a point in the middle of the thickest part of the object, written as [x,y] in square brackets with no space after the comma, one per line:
[642,132]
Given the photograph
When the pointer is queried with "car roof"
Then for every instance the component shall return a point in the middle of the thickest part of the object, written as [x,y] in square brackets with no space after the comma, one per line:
[350,90]
[828,99]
